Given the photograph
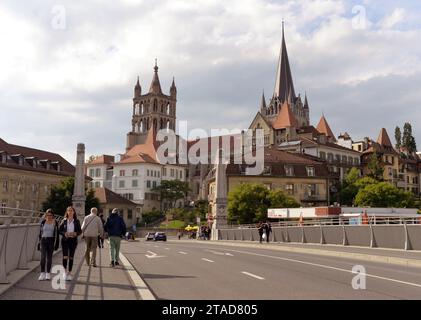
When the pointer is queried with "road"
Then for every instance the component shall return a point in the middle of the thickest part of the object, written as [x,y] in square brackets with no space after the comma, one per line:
[197,270]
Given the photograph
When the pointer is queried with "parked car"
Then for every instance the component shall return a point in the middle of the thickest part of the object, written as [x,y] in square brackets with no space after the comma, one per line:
[150,236]
[160,236]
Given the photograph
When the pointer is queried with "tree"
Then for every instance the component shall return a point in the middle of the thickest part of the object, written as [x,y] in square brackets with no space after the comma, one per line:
[349,188]
[172,191]
[248,203]
[398,138]
[61,197]
[383,195]
[376,170]
[408,140]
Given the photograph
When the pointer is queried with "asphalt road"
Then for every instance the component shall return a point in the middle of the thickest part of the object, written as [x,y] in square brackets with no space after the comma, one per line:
[197,270]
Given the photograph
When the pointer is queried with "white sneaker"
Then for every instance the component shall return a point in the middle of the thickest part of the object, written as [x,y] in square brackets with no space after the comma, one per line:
[47,276]
[64,276]
[69,277]
[41,276]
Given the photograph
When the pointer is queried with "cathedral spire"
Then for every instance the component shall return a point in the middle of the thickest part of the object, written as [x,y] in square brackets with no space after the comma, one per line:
[284,84]
[263,103]
[137,88]
[173,89]
[155,85]
[306,102]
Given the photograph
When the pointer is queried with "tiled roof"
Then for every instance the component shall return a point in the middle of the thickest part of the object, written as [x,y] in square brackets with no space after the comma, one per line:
[384,139]
[104,159]
[66,168]
[285,118]
[323,127]
[107,196]
[142,153]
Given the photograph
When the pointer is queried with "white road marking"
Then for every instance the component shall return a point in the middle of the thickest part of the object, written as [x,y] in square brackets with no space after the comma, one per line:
[182,252]
[153,255]
[252,275]
[229,254]
[332,268]
[167,248]
[220,253]
[156,246]
[141,287]
[207,260]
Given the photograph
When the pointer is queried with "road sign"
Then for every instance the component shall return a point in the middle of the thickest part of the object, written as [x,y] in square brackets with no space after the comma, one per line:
[277,213]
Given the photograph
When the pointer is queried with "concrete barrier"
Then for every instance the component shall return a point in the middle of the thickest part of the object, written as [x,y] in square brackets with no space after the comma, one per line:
[381,236]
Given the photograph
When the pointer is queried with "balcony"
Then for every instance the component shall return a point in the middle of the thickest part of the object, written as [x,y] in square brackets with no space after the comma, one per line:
[313,198]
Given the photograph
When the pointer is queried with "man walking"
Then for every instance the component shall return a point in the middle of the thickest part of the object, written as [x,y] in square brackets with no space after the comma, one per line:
[116,228]
[91,229]
[267,229]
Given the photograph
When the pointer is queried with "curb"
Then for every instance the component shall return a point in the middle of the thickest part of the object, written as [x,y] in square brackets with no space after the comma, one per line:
[320,252]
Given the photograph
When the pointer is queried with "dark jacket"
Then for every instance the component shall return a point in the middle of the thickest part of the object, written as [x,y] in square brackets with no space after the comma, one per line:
[56,234]
[63,228]
[115,225]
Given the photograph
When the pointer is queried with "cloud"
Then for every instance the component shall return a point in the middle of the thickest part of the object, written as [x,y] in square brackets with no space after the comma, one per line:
[61,87]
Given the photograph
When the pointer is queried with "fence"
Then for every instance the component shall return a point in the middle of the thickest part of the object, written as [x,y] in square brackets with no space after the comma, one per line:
[394,233]
[19,231]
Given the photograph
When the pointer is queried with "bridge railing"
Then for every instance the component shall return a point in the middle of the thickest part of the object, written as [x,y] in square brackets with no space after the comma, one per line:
[19,229]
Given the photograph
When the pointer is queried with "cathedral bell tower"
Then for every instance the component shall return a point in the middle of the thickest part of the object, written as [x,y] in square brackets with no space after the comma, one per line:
[151,110]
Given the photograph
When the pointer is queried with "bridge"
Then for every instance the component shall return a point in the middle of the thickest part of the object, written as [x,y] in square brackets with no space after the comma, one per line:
[237,267]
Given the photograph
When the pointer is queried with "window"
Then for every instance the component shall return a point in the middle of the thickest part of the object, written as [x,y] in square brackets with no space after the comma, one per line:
[121,184]
[311,190]
[337,157]
[3,206]
[164,172]
[172,172]
[135,173]
[97,184]
[5,186]
[135,183]
[34,188]
[322,155]
[153,184]
[129,214]
[289,171]
[310,171]
[148,184]
[147,172]
[122,173]
[344,159]
[98,172]
[159,173]
[176,174]
[330,157]
[350,161]
[181,174]
[356,161]
[289,189]
[91,173]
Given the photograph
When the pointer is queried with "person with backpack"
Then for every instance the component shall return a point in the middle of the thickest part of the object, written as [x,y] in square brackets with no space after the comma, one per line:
[69,229]
[115,228]
[92,228]
[49,240]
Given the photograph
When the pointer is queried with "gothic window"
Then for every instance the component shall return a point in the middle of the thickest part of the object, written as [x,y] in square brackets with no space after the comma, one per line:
[155,105]
[142,109]
[162,107]
[168,109]
[141,129]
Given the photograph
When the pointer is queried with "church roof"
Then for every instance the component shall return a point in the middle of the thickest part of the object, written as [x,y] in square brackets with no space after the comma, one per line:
[285,118]
[142,153]
[323,127]
[284,86]
[155,84]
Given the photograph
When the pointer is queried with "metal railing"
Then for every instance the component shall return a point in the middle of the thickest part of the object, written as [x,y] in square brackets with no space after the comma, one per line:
[371,220]
[19,229]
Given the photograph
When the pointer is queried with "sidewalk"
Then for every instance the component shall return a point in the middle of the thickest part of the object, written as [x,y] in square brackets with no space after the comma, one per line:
[89,283]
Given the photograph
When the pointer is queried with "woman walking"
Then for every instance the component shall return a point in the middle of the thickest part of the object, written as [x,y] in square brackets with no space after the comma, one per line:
[48,243]
[69,229]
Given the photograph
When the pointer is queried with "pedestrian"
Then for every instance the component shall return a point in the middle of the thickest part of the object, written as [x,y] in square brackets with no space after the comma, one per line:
[260,229]
[116,228]
[49,240]
[91,229]
[69,229]
[179,235]
[101,239]
[267,229]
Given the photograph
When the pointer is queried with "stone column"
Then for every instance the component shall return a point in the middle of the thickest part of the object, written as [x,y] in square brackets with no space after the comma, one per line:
[79,197]
[219,209]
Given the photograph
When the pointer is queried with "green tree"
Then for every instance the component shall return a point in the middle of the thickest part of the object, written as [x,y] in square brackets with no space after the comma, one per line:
[349,188]
[383,195]
[201,209]
[375,168]
[408,140]
[61,197]
[398,138]
[172,191]
[248,203]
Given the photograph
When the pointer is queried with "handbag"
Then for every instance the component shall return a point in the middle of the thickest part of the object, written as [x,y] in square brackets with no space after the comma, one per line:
[264,236]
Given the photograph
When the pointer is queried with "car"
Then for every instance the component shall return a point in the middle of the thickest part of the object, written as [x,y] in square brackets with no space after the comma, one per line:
[150,236]
[160,236]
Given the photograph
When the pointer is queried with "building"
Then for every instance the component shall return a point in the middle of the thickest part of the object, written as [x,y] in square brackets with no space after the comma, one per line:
[109,200]
[27,175]
[304,178]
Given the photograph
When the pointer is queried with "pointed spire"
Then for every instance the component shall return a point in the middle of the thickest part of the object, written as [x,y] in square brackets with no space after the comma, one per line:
[173,89]
[137,88]
[263,103]
[323,127]
[284,85]
[384,139]
[285,118]
[306,102]
[155,85]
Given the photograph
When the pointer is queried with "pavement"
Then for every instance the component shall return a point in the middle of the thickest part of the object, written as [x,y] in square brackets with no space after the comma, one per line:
[101,283]
[232,270]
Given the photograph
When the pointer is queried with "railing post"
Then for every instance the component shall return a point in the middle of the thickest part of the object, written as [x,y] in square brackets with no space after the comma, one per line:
[372,240]
[242,234]
[322,238]
[344,238]
[303,238]
[23,258]
[3,252]
[407,241]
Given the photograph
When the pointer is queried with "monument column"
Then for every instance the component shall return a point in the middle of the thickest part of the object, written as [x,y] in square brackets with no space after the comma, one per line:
[79,197]
[220,203]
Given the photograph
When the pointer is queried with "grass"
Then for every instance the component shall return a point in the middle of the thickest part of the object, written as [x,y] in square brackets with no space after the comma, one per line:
[175,224]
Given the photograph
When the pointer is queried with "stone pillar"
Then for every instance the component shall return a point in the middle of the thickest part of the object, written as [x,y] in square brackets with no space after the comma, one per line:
[219,209]
[79,197]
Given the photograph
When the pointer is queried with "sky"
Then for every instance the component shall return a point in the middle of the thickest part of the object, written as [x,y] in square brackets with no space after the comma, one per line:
[68,68]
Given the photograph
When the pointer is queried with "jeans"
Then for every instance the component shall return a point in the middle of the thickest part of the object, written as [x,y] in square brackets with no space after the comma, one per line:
[47,250]
[91,245]
[115,247]
[69,247]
